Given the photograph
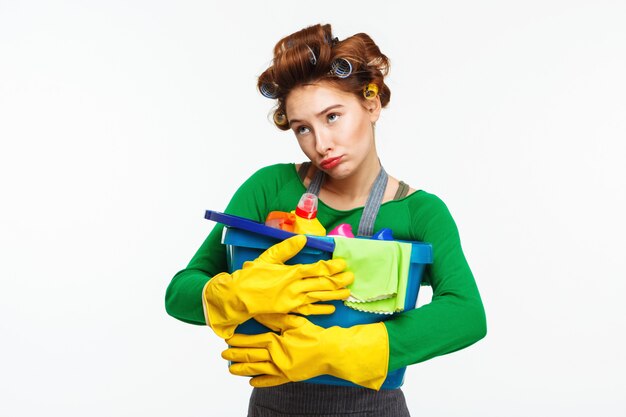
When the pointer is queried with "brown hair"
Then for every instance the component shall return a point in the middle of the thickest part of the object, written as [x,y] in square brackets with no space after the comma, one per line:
[306,57]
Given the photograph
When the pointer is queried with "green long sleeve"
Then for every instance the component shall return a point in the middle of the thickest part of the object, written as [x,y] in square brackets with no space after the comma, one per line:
[183,296]
[454,318]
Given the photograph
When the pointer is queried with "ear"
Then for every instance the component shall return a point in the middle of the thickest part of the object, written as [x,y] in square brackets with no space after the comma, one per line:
[373,107]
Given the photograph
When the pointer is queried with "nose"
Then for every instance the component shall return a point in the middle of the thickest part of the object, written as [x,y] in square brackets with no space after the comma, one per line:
[323,142]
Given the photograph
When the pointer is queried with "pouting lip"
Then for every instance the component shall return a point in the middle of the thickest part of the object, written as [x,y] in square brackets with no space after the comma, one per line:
[329,161]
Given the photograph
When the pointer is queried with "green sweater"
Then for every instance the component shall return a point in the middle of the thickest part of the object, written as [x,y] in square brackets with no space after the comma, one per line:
[455,317]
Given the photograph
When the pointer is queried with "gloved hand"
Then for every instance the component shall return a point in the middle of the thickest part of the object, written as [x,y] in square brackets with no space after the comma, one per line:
[267,285]
[303,350]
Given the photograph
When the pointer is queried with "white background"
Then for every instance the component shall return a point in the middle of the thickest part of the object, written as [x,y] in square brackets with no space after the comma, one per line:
[122,121]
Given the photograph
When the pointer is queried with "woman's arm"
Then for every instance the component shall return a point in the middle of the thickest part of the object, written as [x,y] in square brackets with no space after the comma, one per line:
[183,298]
[455,318]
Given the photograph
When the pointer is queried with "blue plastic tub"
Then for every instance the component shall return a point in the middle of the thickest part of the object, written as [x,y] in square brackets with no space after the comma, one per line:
[242,246]
[245,245]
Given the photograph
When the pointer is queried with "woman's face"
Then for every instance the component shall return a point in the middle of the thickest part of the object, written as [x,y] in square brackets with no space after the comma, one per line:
[333,128]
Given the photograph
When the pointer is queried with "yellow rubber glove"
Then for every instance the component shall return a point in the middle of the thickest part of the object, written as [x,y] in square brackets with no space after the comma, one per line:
[303,350]
[267,285]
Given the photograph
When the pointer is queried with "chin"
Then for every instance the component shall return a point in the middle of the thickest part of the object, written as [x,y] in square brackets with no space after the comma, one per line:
[339,173]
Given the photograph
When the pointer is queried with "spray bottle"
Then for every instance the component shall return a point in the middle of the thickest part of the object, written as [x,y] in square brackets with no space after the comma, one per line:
[306,216]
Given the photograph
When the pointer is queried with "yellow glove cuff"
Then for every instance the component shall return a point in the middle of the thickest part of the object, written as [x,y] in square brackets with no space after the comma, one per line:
[359,354]
[218,315]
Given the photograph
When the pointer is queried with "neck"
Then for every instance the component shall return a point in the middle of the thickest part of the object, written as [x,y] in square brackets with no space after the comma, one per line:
[356,187]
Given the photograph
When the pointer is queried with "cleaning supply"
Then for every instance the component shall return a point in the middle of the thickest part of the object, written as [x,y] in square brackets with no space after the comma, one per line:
[267,285]
[281,220]
[306,216]
[344,229]
[383,234]
[302,350]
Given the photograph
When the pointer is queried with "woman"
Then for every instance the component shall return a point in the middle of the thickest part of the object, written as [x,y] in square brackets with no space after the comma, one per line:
[330,94]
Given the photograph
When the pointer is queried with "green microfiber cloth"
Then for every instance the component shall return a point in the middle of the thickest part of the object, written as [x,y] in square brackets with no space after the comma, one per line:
[381,273]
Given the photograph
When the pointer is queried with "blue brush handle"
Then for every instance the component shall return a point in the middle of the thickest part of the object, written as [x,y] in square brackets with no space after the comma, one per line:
[325,244]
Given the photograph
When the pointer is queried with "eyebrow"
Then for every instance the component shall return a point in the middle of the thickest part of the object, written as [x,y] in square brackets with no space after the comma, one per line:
[334,106]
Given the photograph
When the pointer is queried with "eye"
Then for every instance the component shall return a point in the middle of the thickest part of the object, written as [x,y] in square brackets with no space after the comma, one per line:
[332,117]
[301,130]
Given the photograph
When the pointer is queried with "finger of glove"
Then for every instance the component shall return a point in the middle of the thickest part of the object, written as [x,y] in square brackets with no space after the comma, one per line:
[281,322]
[260,340]
[329,295]
[343,279]
[326,283]
[321,268]
[246,355]
[255,368]
[265,381]
[283,251]
[315,309]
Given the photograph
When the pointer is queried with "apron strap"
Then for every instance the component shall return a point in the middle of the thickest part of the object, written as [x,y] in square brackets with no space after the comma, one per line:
[304,168]
[316,183]
[372,205]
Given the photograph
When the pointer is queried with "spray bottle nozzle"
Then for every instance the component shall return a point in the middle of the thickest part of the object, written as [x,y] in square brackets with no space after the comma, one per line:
[307,206]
